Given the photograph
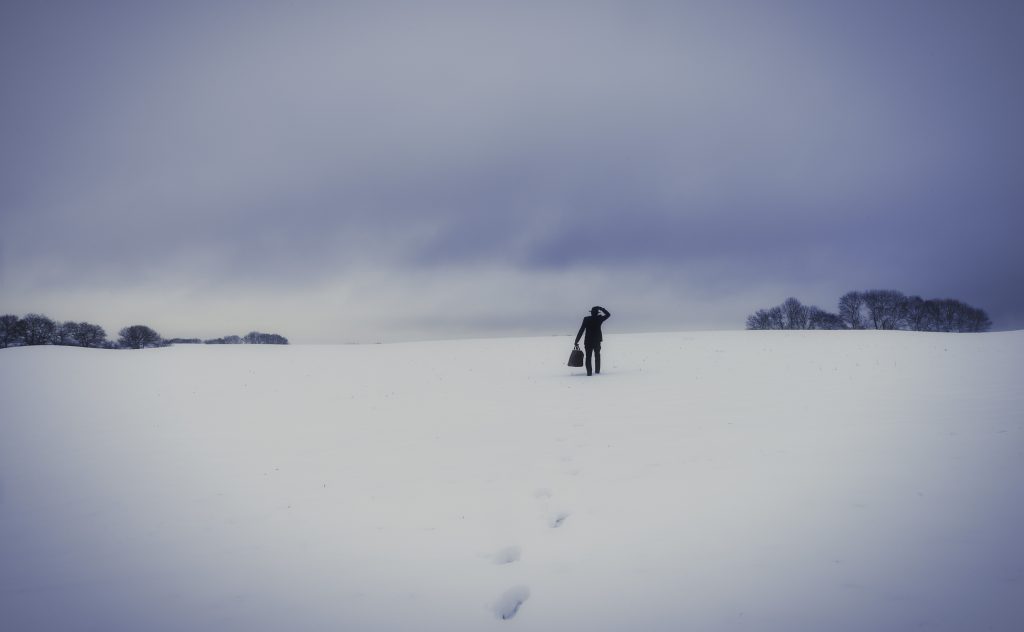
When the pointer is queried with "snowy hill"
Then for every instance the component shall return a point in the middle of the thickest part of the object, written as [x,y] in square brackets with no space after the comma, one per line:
[706,481]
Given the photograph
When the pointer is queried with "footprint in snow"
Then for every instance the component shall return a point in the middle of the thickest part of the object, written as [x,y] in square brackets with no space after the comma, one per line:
[558,519]
[507,555]
[508,604]
[555,519]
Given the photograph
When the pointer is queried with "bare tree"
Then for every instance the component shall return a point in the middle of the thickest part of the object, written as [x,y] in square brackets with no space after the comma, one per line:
[946,314]
[977,320]
[951,315]
[90,335]
[818,318]
[915,313]
[66,333]
[37,329]
[930,315]
[759,320]
[10,331]
[138,337]
[851,310]
[885,308]
[794,313]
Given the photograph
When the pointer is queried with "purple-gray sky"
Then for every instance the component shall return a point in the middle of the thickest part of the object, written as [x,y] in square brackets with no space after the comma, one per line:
[382,171]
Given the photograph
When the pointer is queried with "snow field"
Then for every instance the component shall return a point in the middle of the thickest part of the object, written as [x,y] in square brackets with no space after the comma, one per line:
[707,481]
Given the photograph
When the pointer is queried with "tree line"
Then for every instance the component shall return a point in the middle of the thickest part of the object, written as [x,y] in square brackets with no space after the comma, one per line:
[251,338]
[875,309]
[37,329]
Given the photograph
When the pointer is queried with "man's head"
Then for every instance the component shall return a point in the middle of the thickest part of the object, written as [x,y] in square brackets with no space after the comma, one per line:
[594,310]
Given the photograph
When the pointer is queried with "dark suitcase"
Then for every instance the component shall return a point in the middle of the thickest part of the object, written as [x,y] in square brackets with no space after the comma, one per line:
[576,357]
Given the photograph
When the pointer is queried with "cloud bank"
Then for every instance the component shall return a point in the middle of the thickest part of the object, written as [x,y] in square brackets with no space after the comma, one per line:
[360,171]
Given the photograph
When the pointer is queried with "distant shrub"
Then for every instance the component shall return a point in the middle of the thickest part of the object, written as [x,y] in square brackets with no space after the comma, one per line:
[226,340]
[258,338]
[139,337]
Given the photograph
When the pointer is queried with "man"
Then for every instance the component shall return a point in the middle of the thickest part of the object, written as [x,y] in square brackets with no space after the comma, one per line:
[592,342]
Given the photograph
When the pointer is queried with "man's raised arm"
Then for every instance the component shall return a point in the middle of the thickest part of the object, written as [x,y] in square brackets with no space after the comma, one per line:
[607,314]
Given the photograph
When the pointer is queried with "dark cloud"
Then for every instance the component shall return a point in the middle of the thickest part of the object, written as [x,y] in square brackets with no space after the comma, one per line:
[729,151]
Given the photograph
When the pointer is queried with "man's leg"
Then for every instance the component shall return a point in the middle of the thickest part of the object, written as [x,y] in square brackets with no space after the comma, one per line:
[590,352]
[597,358]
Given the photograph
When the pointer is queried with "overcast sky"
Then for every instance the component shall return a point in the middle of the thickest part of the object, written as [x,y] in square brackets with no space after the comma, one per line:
[387,170]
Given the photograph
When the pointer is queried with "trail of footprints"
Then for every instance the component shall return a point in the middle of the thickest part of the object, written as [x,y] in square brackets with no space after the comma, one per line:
[509,602]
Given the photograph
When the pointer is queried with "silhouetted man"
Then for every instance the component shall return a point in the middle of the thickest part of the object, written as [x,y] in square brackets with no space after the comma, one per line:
[592,342]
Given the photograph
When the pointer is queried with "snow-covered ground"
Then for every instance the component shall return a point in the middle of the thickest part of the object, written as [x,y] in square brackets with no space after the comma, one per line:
[706,481]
